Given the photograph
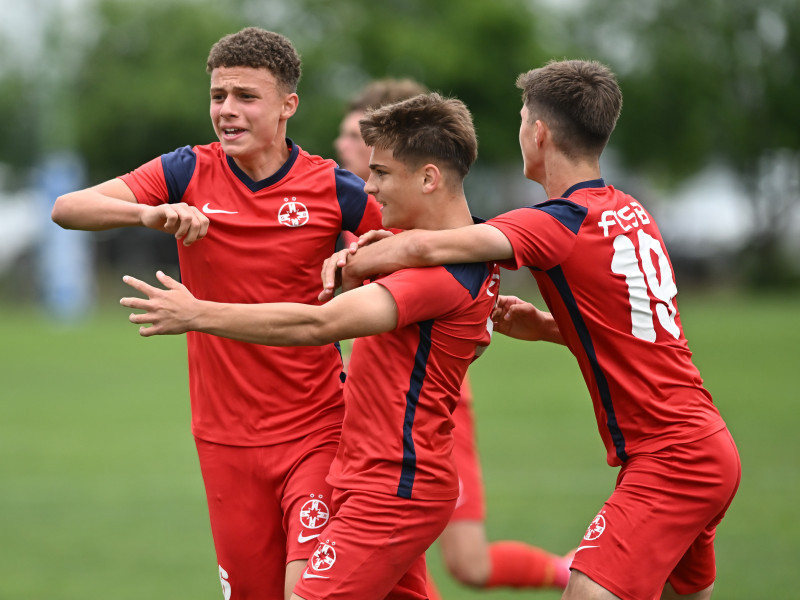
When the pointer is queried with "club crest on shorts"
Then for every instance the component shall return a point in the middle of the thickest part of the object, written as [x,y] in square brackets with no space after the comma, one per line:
[324,556]
[293,213]
[596,528]
[314,513]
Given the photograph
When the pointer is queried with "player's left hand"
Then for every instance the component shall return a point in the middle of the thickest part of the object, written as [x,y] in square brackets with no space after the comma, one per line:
[168,311]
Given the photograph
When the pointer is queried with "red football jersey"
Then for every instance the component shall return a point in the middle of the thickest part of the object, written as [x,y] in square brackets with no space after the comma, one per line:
[605,275]
[266,242]
[403,385]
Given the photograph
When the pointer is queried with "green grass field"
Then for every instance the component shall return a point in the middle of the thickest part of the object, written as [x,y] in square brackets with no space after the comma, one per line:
[101,496]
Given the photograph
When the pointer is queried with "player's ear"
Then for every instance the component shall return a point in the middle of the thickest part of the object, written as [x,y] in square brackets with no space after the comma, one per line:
[290,103]
[540,132]
[431,178]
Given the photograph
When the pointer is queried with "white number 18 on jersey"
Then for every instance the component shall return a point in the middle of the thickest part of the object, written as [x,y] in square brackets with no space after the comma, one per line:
[641,285]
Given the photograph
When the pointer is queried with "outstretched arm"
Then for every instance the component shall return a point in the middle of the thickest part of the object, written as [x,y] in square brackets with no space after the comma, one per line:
[368,310]
[416,248]
[112,204]
[521,320]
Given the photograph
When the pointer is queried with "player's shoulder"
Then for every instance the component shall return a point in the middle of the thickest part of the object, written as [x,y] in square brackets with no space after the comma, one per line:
[473,277]
[188,153]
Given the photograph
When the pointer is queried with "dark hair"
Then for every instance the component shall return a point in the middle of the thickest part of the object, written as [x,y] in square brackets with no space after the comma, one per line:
[259,49]
[385,91]
[579,100]
[422,128]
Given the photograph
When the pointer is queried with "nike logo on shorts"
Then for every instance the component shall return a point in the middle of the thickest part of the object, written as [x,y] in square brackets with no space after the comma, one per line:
[307,575]
[210,211]
[306,538]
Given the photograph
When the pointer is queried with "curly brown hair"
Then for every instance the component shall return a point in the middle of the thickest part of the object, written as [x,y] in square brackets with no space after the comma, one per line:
[259,49]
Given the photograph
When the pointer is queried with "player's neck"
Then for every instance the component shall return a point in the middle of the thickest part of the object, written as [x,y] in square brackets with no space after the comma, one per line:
[560,174]
[451,212]
[264,164]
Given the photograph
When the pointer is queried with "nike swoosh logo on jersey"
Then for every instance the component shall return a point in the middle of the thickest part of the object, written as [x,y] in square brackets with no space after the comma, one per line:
[305,538]
[584,548]
[210,211]
[307,575]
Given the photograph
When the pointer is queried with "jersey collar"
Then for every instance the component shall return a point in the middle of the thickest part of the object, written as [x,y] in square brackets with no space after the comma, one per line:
[255,186]
[594,183]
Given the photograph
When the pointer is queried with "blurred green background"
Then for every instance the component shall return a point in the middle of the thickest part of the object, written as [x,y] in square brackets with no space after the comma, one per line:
[100,493]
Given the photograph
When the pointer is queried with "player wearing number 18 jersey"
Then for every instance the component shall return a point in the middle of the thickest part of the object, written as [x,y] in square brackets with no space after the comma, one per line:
[605,275]
[601,267]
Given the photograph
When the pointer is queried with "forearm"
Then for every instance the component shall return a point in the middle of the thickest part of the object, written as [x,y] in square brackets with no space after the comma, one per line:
[550,331]
[422,248]
[414,248]
[92,211]
[274,324]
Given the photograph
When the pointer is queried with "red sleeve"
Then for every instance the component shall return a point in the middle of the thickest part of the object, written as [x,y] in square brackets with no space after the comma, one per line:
[538,239]
[148,183]
[423,293]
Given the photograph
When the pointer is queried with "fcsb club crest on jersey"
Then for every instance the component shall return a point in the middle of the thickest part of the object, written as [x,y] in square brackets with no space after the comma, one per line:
[596,528]
[314,513]
[324,557]
[293,213]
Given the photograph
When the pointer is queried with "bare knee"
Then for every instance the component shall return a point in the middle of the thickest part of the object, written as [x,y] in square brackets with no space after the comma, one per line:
[465,552]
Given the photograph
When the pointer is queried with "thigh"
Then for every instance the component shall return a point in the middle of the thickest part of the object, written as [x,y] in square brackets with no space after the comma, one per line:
[662,505]
[246,522]
[696,570]
[372,548]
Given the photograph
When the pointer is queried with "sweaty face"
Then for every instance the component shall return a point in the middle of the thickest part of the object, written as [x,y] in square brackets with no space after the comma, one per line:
[249,111]
[397,189]
[353,152]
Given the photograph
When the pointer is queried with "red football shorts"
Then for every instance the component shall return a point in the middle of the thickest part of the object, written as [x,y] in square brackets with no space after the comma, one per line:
[267,505]
[659,523]
[471,504]
[374,548]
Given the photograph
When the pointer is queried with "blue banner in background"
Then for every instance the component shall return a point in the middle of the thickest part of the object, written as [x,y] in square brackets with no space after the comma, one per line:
[66,260]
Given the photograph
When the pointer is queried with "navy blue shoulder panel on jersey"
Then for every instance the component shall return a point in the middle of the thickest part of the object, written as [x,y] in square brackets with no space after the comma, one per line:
[569,214]
[178,170]
[352,198]
[470,275]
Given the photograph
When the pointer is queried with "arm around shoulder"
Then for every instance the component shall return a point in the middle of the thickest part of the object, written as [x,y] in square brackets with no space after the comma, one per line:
[424,248]
[473,243]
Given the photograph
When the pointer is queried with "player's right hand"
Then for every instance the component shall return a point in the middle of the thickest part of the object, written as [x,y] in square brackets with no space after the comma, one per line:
[332,272]
[183,221]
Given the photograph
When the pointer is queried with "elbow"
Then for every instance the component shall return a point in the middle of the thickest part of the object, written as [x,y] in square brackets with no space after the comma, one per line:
[59,213]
